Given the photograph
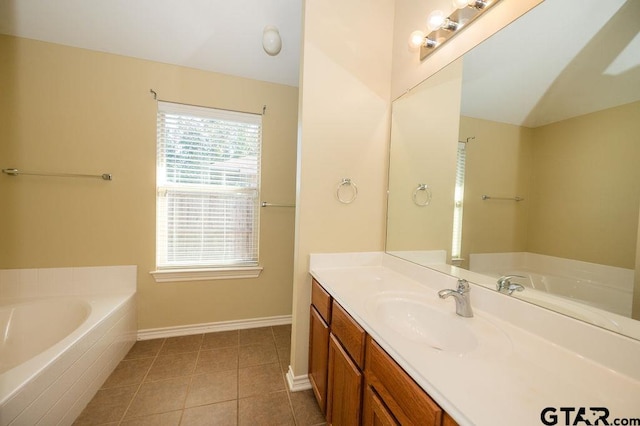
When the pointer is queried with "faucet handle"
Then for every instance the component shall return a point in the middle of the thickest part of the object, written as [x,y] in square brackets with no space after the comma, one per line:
[463,286]
[504,282]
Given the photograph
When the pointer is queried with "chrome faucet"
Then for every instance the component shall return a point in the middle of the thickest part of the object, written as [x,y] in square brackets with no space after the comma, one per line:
[506,286]
[462,297]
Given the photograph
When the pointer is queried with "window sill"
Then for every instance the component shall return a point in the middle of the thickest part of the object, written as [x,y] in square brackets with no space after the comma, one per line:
[172,275]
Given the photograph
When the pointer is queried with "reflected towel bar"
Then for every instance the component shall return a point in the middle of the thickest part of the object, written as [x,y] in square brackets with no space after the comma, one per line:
[516,198]
[265,204]
[16,172]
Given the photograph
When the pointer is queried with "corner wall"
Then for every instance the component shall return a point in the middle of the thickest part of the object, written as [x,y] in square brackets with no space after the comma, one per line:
[344,131]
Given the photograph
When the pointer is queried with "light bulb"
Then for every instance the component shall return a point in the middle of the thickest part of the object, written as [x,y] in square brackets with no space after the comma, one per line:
[416,39]
[435,20]
[460,4]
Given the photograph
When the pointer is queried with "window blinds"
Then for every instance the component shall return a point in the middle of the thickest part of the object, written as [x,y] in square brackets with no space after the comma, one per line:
[456,246]
[208,181]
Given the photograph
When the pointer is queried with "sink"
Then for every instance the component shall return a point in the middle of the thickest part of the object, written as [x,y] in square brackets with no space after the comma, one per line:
[433,323]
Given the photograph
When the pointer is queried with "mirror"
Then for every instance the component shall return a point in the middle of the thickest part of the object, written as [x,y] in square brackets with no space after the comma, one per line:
[522,158]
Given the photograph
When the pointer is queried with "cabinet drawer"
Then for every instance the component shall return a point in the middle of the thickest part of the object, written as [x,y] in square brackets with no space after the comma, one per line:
[350,334]
[321,300]
[408,403]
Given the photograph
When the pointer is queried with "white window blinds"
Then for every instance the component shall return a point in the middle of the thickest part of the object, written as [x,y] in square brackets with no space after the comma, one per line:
[456,246]
[208,182]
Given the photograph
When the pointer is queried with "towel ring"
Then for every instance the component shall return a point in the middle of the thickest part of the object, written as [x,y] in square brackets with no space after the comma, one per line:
[354,189]
[427,192]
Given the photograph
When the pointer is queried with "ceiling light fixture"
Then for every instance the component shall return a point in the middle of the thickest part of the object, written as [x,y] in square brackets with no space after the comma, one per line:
[441,28]
[271,41]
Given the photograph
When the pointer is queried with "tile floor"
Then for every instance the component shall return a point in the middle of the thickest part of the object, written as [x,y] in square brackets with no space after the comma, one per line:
[224,378]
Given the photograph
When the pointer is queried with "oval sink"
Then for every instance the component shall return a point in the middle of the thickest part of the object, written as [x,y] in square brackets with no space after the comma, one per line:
[434,323]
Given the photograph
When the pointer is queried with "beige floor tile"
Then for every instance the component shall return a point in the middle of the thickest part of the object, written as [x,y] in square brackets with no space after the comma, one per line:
[284,358]
[266,409]
[145,349]
[260,379]
[217,360]
[181,344]
[256,336]
[159,397]
[174,365]
[220,414]
[305,408]
[282,336]
[108,405]
[213,387]
[282,330]
[221,339]
[257,355]
[128,372]
[163,419]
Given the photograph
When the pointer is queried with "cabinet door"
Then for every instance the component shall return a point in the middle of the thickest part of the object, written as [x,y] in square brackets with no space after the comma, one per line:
[374,412]
[318,358]
[344,396]
[406,400]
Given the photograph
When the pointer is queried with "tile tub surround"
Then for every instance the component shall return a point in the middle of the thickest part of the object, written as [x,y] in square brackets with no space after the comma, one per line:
[55,385]
[222,378]
[552,360]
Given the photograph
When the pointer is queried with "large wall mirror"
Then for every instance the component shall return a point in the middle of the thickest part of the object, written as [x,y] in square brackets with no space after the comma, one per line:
[522,158]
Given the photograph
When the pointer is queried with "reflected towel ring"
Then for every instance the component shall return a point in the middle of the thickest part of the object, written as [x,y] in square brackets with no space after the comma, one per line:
[427,193]
[354,189]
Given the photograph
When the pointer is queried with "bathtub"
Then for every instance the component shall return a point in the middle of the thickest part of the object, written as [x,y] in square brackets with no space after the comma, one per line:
[600,286]
[56,351]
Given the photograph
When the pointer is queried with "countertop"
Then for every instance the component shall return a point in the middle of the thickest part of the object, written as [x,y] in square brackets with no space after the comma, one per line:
[512,374]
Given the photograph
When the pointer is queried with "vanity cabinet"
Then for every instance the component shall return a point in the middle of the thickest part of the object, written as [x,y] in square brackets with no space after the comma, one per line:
[392,397]
[346,363]
[320,313]
[354,380]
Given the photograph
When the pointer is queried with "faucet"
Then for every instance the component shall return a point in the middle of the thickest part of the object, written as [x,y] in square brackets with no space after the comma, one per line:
[462,298]
[506,286]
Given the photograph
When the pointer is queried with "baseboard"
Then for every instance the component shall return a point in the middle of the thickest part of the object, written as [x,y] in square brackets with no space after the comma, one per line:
[297,383]
[186,330]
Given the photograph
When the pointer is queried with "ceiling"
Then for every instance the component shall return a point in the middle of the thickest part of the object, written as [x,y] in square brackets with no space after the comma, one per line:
[563,59]
[222,36]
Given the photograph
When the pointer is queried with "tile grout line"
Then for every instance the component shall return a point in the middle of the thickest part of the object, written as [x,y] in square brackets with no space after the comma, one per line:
[191,376]
[135,394]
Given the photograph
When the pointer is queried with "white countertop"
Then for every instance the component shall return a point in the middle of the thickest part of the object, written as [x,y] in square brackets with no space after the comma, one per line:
[514,373]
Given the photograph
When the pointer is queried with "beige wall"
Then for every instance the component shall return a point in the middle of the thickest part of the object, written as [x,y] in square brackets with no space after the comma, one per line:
[424,143]
[344,130]
[71,110]
[584,190]
[579,180]
[498,164]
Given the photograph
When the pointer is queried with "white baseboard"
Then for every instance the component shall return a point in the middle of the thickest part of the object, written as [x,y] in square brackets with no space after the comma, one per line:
[186,330]
[297,383]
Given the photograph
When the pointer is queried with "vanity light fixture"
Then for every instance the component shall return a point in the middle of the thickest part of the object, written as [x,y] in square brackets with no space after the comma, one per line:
[441,28]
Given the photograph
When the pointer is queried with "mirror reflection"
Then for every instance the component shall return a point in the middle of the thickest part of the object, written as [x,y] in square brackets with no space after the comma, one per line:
[521,159]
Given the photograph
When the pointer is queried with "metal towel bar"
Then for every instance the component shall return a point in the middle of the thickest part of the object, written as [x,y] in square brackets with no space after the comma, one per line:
[516,198]
[16,172]
[265,204]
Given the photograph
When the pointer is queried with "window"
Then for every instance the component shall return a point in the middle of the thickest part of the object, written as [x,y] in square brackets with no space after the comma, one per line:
[208,184]
[456,246]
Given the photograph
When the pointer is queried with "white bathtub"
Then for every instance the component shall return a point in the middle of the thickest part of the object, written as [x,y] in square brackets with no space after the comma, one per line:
[604,287]
[55,352]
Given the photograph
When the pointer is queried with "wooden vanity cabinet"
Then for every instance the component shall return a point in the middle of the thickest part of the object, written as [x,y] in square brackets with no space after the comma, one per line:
[354,380]
[346,362]
[320,312]
[393,397]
